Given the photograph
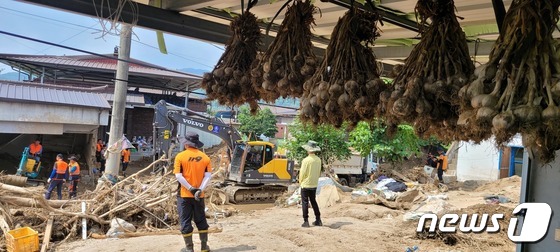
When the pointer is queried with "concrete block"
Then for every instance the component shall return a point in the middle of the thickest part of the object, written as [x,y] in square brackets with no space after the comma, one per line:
[449,178]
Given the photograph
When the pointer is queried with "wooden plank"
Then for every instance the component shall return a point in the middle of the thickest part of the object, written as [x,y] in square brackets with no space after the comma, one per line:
[211,230]
[399,175]
[47,236]
[31,202]
[4,225]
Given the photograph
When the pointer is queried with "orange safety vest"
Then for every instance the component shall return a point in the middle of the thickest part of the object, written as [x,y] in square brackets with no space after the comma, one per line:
[125,156]
[77,171]
[34,148]
[61,168]
[443,163]
[192,163]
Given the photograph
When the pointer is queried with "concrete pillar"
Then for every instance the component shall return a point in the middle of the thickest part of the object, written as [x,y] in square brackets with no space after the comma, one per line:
[540,184]
[119,103]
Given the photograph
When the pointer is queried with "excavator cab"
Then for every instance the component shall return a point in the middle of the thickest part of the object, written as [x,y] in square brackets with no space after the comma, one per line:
[254,163]
[259,176]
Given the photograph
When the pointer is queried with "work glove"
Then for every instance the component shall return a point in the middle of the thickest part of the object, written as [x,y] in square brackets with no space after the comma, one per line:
[64,181]
[48,180]
[194,192]
[197,195]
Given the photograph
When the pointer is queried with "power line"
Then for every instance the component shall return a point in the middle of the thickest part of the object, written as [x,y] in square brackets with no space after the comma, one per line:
[216,46]
[71,37]
[174,54]
[37,16]
[99,30]
[18,42]
[114,58]
[92,53]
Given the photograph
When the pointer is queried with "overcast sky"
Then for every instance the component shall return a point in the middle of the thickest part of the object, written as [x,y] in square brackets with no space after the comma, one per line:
[82,32]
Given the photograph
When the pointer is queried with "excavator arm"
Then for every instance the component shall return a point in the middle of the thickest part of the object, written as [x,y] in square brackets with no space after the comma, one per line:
[251,177]
[165,119]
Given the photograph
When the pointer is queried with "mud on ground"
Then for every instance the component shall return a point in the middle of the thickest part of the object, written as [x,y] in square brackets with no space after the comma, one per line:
[347,227]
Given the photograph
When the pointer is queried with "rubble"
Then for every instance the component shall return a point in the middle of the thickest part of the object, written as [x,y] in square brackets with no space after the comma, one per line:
[328,197]
[129,207]
[496,199]
[412,196]
[327,194]
[478,239]
[385,221]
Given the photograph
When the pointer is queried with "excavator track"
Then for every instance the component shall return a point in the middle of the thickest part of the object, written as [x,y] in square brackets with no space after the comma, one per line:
[254,194]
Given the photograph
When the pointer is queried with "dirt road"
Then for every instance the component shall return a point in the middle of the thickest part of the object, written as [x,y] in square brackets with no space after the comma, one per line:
[347,227]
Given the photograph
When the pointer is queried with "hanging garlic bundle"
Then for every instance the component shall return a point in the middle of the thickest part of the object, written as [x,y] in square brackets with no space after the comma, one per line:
[289,61]
[346,86]
[230,81]
[518,90]
[425,89]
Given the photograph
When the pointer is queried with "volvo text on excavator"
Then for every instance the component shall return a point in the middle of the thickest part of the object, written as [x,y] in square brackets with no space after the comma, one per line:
[254,175]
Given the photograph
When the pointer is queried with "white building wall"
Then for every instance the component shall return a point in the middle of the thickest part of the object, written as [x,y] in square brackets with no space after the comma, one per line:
[477,162]
[51,113]
[481,161]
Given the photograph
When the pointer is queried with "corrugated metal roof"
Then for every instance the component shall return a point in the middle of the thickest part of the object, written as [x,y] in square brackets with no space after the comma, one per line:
[132,99]
[136,66]
[473,13]
[280,111]
[19,91]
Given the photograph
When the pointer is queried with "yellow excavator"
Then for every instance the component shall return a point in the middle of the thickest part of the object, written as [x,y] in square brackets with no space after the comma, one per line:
[254,175]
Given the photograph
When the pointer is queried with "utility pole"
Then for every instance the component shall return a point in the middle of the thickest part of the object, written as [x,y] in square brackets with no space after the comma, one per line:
[119,102]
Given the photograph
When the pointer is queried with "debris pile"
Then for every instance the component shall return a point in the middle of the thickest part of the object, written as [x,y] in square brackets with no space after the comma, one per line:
[328,193]
[144,205]
[474,239]
[388,192]
[506,187]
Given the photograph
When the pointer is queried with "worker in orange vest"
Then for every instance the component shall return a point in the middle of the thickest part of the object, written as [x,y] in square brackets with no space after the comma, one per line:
[35,151]
[103,160]
[74,170]
[441,164]
[58,177]
[98,149]
[125,158]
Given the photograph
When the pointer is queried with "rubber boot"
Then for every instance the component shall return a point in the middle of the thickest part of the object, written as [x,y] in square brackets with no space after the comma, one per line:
[204,242]
[189,246]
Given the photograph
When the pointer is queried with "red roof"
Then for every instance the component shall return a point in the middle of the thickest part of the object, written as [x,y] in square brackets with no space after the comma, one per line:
[97,62]
[101,69]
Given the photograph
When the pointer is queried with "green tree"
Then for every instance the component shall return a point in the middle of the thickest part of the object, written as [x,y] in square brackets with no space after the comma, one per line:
[210,111]
[331,140]
[372,138]
[264,122]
